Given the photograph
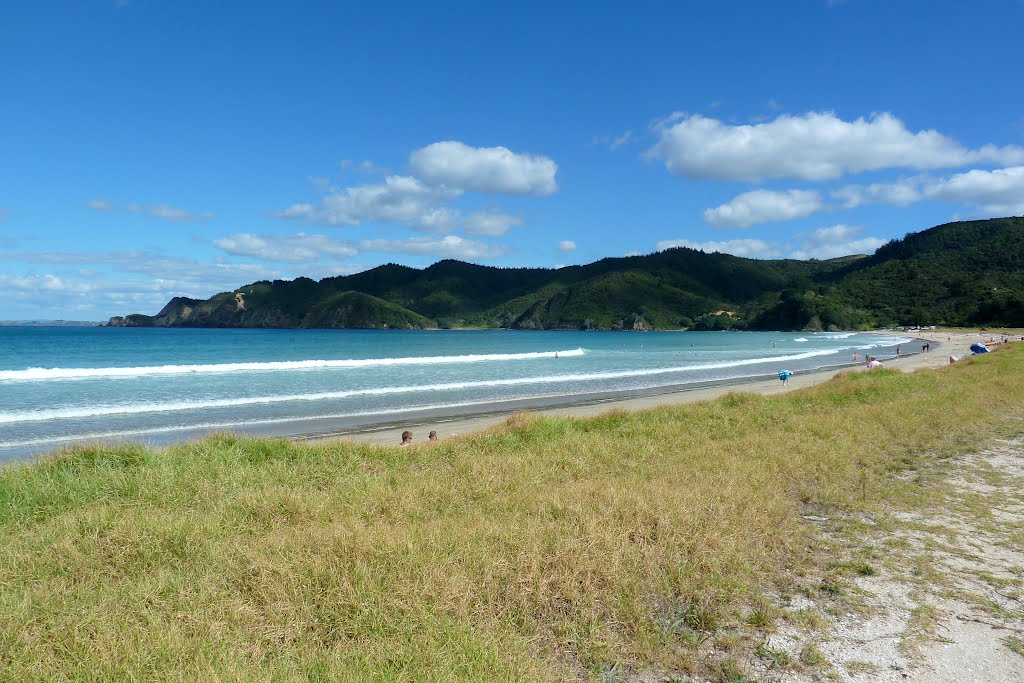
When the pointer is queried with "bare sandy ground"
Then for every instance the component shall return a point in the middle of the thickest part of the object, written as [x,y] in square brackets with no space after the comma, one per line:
[947,602]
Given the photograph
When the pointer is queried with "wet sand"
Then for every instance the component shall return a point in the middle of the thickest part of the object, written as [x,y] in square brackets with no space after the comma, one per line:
[943,345]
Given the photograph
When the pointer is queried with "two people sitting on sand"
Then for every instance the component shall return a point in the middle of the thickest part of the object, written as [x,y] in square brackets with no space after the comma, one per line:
[407,437]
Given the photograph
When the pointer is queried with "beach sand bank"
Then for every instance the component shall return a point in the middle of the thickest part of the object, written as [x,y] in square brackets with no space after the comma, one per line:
[943,345]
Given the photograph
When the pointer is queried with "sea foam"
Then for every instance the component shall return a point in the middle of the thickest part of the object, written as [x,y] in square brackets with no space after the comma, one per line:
[43,374]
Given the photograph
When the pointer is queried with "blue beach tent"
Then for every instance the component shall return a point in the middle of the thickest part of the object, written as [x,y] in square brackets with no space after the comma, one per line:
[979,348]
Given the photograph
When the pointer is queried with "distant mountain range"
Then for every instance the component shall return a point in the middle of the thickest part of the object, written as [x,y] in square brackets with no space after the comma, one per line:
[964,273]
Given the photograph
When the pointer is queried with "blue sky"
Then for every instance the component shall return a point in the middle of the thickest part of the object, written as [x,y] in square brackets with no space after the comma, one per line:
[151,148]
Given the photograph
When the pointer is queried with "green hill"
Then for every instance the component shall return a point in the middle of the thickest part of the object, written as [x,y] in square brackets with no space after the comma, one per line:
[965,273]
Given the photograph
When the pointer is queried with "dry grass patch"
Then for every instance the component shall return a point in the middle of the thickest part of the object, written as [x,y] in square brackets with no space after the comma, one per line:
[547,549]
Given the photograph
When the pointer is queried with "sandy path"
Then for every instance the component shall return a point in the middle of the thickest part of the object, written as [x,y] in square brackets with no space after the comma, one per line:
[961,622]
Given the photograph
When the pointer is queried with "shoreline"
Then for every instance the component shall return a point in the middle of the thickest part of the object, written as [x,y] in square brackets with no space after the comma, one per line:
[943,345]
[451,424]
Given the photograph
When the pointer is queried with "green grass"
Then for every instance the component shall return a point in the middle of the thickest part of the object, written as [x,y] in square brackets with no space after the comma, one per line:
[547,549]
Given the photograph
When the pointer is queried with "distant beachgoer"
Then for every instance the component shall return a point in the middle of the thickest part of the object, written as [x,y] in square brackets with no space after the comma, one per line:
[784,376]
[874,363]
[952,359]
[897,351]
[432,436]
[556,354]
[406,438]
[856,357]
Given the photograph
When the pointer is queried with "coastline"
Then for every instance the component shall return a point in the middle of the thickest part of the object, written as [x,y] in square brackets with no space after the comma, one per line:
[474,418]
[943,345]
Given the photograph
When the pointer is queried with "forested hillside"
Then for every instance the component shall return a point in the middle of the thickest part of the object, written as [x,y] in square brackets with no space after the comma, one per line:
[965,273]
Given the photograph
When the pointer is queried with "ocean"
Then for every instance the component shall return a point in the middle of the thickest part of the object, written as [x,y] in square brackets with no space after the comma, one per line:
[66,384]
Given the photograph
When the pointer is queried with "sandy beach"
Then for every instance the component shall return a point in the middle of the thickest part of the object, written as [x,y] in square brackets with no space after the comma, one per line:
[943,345]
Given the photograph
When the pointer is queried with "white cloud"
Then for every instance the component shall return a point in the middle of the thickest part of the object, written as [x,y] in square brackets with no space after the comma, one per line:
[449,246]
[291,248]
[824,243]
[566,245]
[901,193]
[438,219]
[492,170]
[171,213]
[997,193]
[749,248]
[163,211]
[815,146]
[490,223]
[118,283]
[621,140]
[99,205]
[835,241]
[761,206]
[397,199]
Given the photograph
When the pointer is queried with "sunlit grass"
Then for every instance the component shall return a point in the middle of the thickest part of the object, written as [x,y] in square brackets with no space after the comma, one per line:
[547,549]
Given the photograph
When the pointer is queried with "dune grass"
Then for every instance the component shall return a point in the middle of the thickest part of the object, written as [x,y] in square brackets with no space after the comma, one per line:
[544,550]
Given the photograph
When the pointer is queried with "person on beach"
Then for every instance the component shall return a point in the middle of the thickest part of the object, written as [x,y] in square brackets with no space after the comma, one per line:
[874,363]
[406,438]
[784,376]
[432,436]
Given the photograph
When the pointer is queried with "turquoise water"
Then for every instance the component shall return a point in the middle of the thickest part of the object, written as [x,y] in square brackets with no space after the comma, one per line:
[158,385]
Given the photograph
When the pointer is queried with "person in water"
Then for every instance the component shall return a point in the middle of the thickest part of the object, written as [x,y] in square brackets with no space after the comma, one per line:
[406,438]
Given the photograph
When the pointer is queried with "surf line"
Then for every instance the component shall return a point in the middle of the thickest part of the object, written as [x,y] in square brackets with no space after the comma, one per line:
[39,374]
[138,408]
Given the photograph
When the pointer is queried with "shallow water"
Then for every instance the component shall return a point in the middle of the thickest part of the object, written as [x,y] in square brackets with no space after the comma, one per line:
[161,385]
